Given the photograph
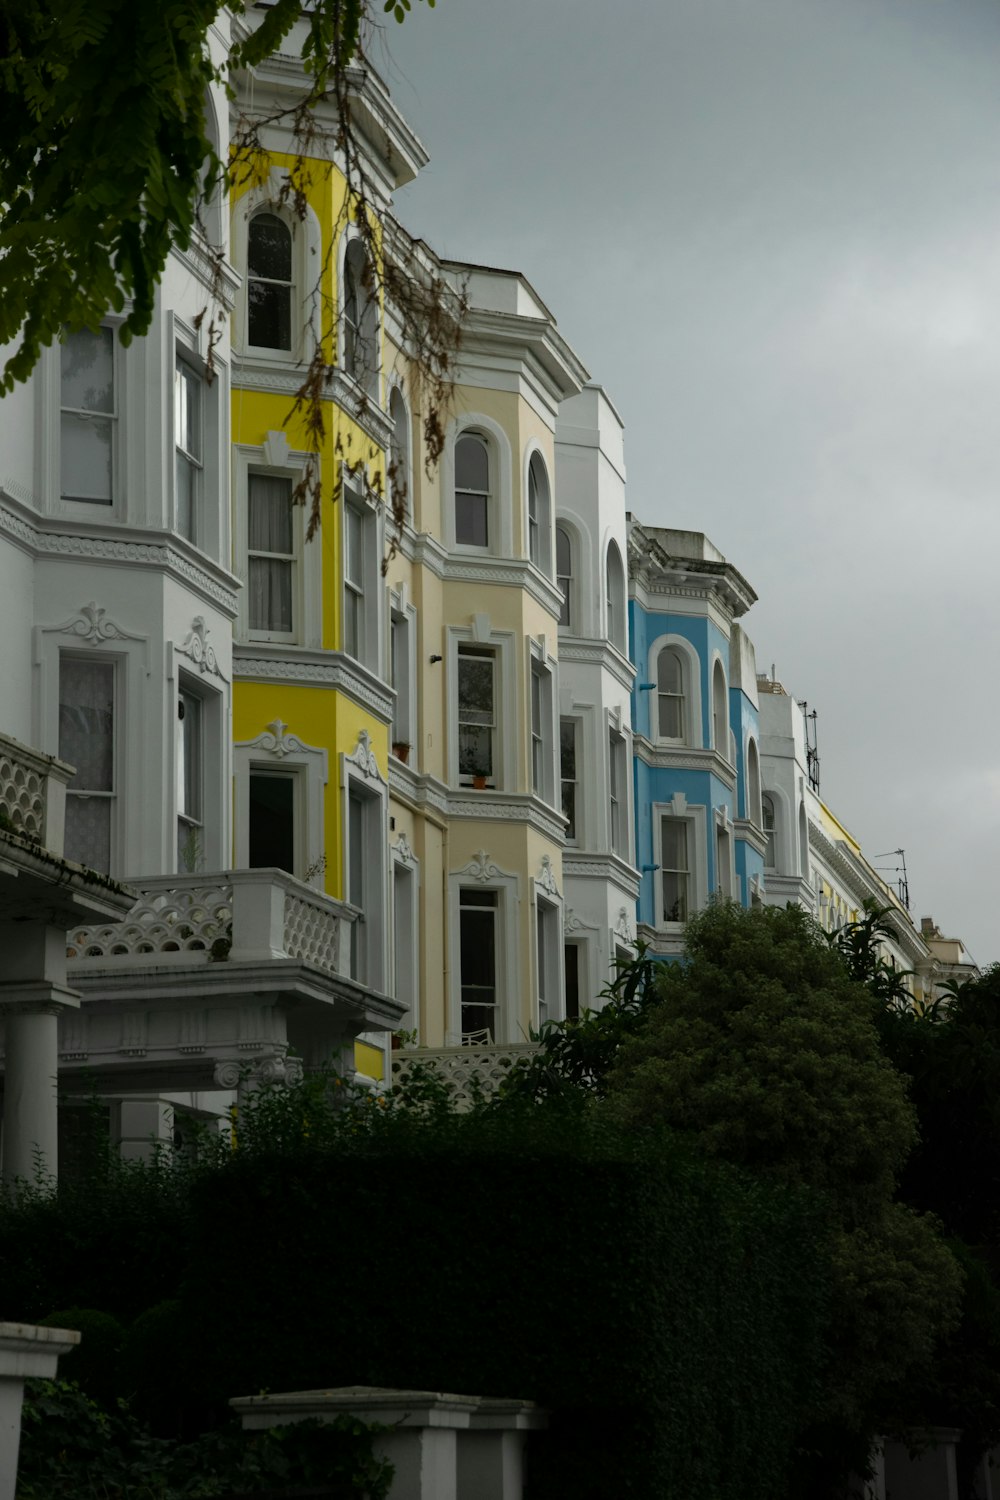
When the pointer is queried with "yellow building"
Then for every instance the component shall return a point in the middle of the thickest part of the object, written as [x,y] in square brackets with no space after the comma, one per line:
[478,830]
[312,705]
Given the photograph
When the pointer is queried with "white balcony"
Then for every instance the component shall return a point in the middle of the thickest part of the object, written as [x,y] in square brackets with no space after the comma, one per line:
[470,1071]
[234,916]
[32,794]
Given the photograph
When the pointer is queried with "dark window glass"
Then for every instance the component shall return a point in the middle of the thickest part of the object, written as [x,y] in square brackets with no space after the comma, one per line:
[269,289]
[272,822]
[572,965]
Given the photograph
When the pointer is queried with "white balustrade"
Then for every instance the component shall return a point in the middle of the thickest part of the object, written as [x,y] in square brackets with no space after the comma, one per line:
[250,915]
[32,794]
[470,1071]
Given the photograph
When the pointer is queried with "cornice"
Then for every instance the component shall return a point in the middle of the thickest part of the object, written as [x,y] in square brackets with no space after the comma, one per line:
[669,945]
[508,807]
[418,790]
[507,573]
[606,867]
[222,282]
[861,884]
[662,758]
[597,653]
[751,834]
[113,544]
[284,377]
[330,670]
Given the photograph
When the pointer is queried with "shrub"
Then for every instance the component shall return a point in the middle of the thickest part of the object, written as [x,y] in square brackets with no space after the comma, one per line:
[94,1364]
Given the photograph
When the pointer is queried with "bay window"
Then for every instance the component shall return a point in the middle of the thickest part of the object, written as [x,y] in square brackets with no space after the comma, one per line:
[87,742]
[89,416]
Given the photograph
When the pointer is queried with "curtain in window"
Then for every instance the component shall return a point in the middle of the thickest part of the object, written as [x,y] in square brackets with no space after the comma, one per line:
[86,741]
[270,531]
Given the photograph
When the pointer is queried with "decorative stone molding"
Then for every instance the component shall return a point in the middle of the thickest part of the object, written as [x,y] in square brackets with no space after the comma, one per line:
[482,868]
[546,877]
[402,851]
[276,742]
[92,624]
[571,922]
[624,928]
[200,650]
[364,757]
[338,672]
[113,549]
[226,1075]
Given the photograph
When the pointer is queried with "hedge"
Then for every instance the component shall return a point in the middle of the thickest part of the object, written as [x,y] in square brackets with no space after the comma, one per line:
[668,1312]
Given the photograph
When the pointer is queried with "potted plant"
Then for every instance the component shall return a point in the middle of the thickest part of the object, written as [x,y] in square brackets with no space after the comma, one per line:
[478,780]
[401,750]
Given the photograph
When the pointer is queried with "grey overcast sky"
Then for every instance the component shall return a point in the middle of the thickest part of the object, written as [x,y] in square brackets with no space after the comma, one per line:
[771,228]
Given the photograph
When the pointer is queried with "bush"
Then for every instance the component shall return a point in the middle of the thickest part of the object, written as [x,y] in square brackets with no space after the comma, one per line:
[94,1364]
[667,1311]
[72,1449]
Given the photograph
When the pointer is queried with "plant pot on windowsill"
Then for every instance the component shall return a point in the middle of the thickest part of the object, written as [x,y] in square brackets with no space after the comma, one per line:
[401,750]
[479,782]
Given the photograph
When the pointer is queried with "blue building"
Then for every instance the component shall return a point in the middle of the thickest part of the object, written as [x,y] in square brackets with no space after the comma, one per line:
[696,735]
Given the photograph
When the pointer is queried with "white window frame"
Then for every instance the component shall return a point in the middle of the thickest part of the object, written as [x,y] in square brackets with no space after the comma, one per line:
[186,369]
[542,760]
[358,500]
[618,792]
[280,214]
[210,690]
[482,874]
[725,854]
[275,458]
[500,530]
[307,252]
[88,509]
[371,385]
[615,597]
[538,528]
[400,453]
[550,993]
[276,750]
[113,797]
[574,839]
[693,737]
[754,790]
[361,776]
[769,804]
[569,605]
[501,644]
[403,672]
[695,815]
[405,947]
[720,708]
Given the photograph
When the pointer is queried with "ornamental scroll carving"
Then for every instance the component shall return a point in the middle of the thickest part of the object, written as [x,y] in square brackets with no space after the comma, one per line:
[481,868]
[93,625]
[199,649]
[363,756]
[546,877]
[624,928]
[402,851]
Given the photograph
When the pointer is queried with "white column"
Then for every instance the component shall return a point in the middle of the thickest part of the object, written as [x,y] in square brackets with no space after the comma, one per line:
[30,1107]
[26,1352]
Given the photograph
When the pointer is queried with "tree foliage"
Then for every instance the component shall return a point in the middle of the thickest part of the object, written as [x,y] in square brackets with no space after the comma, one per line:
[104,154]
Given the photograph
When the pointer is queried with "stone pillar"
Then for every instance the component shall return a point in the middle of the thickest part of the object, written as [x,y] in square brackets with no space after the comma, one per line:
[420,1433]
[30,1106]
[26,1353]
[491,1453]
[929,1474]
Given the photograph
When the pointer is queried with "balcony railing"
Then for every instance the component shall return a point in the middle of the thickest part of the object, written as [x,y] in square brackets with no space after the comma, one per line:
[248,915]
[471,1072]
[32,794]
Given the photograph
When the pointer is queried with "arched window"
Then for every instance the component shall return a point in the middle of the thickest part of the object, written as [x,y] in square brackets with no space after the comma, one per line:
[753,783]
[564,574]
[539,524]
[269,283]
[399,455]
[472,490]
[670,695]
[360,318]
[720,718]
[617,633]
[769,823]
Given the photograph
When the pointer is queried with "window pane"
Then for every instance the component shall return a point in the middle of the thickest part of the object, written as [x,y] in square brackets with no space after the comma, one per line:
[270,249]
[270,513]
[87,363]
[472,464]
[668,672]
[190,743]
[567,768]
[471,520]
[272,822]
[354,561]
[269,310]
[674,844]
[87,837]
[185,486]
[571,954]
[85,458]
[670,725]
[270,589]
[86,722]
[187,409]
[475,689]
[564,554]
